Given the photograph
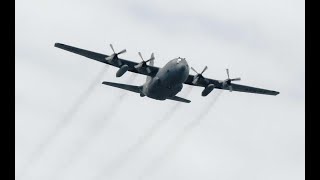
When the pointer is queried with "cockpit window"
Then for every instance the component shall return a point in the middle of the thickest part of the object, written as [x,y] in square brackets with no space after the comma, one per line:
[178,60]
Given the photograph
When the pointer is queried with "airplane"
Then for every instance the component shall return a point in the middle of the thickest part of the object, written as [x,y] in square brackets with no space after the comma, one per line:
[166,82]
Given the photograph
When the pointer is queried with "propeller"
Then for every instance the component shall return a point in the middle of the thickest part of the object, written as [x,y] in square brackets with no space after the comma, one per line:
[199,75]
[227,82]
[115,55]
[144,63]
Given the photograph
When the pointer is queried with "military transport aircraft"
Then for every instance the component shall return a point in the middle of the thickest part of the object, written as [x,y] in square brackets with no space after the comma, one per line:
[163,83]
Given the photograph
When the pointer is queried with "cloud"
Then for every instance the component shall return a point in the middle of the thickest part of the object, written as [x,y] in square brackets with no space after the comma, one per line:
[65,121]
[180,138]
[96,127]
[123,157]
[258,41]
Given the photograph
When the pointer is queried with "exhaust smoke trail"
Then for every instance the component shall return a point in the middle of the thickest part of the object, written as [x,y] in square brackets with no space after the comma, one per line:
[119,161]
[92,131]
[179,139]
[34,157]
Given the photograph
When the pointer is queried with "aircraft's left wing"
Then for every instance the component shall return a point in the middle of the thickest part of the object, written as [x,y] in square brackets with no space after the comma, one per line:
[235,87]
[101,58]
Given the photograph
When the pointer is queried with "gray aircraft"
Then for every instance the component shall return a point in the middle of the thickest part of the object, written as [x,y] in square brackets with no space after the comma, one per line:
[166,82]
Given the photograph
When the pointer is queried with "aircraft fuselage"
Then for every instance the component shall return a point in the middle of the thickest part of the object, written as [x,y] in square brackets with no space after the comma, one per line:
[168,81]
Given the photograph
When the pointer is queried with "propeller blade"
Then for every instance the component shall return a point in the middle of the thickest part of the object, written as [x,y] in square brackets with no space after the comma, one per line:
[194,70]
[151,63]
[121,52]
[110,57]
[148,70]
[151,58]
[138,66]
[224,83]
[228,73]
[195,80]
[112,49]
[230,88]
[236,79]
[140,56]
[205,68]
[119,63]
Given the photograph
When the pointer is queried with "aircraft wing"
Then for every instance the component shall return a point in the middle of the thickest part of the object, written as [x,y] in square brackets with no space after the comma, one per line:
[153,71]
[235,87]
[101,58]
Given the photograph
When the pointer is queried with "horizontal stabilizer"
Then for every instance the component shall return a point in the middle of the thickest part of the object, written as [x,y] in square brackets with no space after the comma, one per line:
[131,88]
[136,89]
[177,98]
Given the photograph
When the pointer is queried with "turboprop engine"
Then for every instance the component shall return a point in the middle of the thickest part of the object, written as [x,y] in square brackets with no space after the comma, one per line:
[123,69]
[207,90]
[113,58]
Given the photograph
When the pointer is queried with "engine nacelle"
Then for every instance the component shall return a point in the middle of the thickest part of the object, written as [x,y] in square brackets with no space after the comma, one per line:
[207,90]
[123,69]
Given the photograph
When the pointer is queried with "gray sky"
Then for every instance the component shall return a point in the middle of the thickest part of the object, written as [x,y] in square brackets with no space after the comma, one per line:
[119,135]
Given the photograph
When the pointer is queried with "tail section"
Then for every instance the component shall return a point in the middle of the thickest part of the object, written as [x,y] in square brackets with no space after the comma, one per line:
[137,89]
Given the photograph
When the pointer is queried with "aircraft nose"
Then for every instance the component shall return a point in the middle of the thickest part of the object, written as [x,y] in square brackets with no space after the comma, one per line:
[183,67]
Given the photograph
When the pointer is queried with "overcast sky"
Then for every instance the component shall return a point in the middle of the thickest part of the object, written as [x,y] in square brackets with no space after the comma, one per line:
[70,126]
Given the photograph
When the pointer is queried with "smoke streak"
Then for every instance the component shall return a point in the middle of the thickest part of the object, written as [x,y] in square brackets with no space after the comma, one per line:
[125,156]
[92,132]
[34,157]
[179,139]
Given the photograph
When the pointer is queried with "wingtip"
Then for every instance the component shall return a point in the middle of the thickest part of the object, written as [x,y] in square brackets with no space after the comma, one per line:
[58,44]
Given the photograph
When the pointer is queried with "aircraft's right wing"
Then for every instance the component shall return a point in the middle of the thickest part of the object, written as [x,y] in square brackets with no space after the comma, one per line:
[102,58]
[235,87]
[250,89]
